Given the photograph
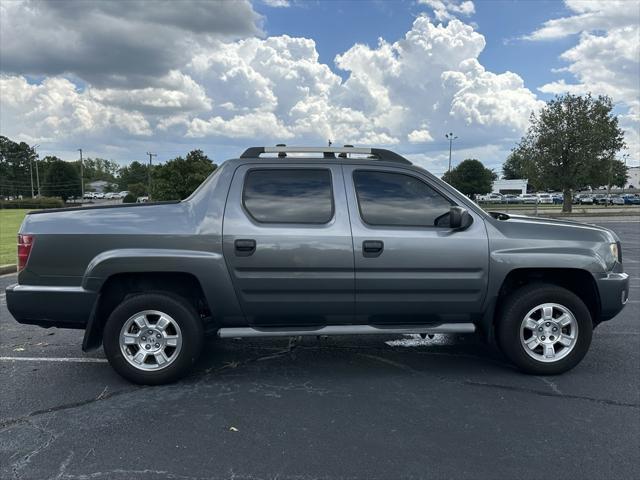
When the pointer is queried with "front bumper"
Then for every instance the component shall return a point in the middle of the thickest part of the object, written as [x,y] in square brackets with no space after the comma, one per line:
[64,307]
[614,294]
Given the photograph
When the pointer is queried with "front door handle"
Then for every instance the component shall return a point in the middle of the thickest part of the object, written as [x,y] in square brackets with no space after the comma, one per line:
[244,247]
[372,248]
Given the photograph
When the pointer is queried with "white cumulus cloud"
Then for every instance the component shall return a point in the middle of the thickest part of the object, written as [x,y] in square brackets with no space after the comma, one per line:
[404,92]
[606,58]
[447,9]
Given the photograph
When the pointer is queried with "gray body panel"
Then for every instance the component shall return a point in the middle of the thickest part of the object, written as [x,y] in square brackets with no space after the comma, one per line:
[304,276]
[424,274]
[300,273]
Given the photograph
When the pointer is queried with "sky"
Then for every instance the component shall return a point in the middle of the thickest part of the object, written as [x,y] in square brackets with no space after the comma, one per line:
[119,79]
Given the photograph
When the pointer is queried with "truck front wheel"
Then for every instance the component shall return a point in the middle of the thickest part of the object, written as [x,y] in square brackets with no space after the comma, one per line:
[544,329]
[152,339]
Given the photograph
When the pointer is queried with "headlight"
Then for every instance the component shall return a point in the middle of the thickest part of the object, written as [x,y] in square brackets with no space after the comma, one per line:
[616,251]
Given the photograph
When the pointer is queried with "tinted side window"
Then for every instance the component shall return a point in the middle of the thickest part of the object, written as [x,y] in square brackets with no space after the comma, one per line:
[289,195]
[394,199]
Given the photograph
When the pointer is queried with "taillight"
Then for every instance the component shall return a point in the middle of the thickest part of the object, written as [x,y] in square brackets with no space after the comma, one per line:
[25,242]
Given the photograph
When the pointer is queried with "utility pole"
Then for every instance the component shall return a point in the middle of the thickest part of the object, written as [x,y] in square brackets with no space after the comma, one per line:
[625,156]
[31,173]
[37,172]
[451,138]
[81,177]
[151,155]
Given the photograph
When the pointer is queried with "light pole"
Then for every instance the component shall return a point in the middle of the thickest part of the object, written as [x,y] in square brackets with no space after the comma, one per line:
[451,138]
[81,177]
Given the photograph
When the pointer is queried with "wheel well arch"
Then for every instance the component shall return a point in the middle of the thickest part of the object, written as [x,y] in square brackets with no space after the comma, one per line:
[119,286]
[578,281]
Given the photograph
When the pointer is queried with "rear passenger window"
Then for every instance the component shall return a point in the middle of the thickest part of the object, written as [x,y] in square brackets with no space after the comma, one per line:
[289,195]
[395,199]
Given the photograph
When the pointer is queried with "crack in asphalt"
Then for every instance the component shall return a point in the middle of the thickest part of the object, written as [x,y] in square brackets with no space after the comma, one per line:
[62,470]
[198,376]
[602,401]
[19,465]
[66,406]
[104,395]
[555,391]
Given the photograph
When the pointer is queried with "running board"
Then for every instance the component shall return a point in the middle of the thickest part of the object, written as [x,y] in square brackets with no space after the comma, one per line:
[247,332]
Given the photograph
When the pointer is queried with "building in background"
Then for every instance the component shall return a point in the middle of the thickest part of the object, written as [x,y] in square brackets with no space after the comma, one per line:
[516,187]
[633,177]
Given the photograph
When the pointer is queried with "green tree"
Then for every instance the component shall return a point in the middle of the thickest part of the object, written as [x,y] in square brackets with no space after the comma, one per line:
[178,178]
[134,173]
[100,169]
[514,167]
[571,143]
[61,179]
[16,163]
[618,174]
[137,190]
[471,177]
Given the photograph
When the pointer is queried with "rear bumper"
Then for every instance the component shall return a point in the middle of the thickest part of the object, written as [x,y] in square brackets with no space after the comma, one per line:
[64,307]
[614,293]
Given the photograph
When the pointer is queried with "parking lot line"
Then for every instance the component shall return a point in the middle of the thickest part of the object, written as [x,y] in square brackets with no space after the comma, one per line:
[53,359]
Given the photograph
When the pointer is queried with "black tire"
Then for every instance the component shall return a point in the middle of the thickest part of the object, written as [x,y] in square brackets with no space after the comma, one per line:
[516,307]
[191,331]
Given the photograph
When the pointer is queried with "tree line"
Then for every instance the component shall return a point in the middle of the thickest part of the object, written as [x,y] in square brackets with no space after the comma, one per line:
[175,179]
[571,144]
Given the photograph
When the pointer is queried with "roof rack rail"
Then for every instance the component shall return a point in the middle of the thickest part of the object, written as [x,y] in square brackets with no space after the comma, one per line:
[380,154]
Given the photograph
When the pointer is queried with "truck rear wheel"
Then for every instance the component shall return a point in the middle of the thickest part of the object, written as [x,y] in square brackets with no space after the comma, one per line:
[544,329]
[152,339]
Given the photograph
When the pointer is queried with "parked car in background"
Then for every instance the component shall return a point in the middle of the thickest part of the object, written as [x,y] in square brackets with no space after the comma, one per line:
[142,199]
[491,198]
[99,195]
[529,198]
[630,199]
[558,198]
[511,199]
[601,199]
[270,247]
[545,198]
[88,195]
[584,199]
[616,200]
[110,195]
[123,193]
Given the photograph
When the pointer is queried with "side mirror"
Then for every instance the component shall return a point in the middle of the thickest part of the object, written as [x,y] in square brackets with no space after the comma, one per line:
[459,218]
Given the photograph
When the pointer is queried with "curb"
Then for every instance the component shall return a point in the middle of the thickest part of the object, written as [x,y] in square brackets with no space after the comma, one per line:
[4,269]
[552,214]
[612,214]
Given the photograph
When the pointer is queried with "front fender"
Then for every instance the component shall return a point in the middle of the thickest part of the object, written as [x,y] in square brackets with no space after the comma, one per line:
[504,261]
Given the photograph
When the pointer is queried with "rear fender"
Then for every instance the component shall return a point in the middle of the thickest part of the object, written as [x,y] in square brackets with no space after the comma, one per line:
[209,268]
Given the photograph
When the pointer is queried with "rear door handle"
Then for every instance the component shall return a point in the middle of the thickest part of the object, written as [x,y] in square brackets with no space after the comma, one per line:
[372,248]
[244,247]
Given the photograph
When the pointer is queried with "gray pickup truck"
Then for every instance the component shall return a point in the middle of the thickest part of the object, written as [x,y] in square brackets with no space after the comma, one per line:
[293,241]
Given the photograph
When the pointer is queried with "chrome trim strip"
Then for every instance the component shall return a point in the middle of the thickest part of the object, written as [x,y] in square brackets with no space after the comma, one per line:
[48,289]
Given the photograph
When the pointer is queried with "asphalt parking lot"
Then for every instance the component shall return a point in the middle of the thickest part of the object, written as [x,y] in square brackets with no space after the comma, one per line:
[352,407]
